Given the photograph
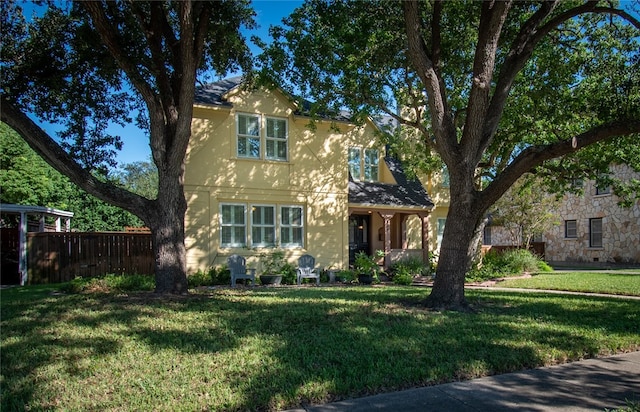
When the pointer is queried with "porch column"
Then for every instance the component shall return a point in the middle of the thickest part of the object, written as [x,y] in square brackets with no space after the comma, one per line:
[387,237]
[22,249]
[425,236]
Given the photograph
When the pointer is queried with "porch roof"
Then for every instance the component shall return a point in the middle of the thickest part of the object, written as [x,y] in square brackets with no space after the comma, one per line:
[406,193]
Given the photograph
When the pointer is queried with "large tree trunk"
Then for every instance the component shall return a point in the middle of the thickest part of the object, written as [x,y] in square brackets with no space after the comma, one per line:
[457,251]
[167,227]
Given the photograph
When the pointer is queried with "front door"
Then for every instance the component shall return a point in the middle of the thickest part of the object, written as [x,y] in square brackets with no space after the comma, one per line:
[359,235]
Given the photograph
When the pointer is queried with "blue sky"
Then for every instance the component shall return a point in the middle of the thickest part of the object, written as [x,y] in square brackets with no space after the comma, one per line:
[268,12]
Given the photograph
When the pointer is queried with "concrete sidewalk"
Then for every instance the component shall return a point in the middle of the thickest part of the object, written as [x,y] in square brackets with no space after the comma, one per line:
[589,385]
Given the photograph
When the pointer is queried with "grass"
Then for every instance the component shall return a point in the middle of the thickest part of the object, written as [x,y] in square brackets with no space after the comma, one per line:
[614,282]
[278,348]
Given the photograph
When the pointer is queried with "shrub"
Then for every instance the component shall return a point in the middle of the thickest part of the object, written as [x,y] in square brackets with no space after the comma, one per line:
[403,275]
[288,272]
[200,278]
[511,262]
[110,283]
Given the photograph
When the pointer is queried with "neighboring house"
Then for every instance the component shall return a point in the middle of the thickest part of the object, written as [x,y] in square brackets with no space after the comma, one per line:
[257,178]
[594,228]
[591,228]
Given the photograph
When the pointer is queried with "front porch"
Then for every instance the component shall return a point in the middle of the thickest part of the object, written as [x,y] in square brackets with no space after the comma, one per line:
[400,234]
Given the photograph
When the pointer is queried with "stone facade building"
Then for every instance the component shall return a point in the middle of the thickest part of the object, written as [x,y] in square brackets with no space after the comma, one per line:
[594,228]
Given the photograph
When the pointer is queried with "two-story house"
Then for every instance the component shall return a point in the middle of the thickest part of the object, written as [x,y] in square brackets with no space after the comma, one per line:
[593,228]
[258,178]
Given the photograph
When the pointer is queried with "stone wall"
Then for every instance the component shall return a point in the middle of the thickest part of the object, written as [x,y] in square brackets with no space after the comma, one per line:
[620,227]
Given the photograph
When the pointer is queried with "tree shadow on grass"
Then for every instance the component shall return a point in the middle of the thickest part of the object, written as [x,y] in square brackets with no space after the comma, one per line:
[314,344]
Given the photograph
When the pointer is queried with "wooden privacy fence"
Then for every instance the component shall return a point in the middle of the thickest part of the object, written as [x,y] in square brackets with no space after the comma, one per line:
[61,256]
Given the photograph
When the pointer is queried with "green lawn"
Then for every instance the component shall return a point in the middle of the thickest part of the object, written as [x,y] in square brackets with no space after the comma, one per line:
[623,282]
[277,348]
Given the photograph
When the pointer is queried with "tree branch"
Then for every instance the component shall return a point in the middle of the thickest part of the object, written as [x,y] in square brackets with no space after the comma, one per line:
[492,18]
[60,160]
[535,155]
[441,119]
[108,35]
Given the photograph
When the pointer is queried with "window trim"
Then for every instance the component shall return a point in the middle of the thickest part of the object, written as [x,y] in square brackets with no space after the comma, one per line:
[566,229]
[593,233]
[249,226]
[363,164]
[276,140]
[253,226]
[232,225]
[292,227]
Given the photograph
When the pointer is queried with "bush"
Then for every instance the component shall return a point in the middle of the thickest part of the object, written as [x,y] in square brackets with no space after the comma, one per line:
[403,275]
[200,278]
[110,283]
[511,262]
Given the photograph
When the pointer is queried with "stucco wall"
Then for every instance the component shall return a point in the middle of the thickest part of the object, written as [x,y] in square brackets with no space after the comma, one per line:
[314,176]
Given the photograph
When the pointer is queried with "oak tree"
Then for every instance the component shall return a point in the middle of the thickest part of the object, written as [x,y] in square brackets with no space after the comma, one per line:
[87,65]
[492,89]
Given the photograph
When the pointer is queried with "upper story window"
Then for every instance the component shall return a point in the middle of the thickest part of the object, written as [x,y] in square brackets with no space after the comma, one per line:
[603,190]
[364,164]
[276,139]
[254,142]
[445,177]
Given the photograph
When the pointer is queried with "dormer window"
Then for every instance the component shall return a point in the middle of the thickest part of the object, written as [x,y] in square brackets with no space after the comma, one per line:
[364,164]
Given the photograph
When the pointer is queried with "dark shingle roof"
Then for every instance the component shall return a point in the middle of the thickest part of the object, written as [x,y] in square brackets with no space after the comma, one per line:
[213,93]
[406,193]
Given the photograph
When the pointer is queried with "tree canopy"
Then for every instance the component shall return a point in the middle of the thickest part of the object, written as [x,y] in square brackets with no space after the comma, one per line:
[88,64]
[26,179]
[492,89]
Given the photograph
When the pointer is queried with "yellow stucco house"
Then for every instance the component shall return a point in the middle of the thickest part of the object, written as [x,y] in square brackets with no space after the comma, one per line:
[257,178]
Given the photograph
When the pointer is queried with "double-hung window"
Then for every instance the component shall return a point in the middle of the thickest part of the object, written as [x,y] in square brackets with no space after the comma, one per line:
[355,167]
[595,232]
[233,225]
[291,226]
[263,226]
[371,165]
[248,136]
[570,229]
[276,139]
[256,141]
[364,164]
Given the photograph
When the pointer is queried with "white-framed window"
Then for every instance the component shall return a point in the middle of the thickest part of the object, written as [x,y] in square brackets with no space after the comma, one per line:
[291,226]
[355,167]
[570,229]
[595,232]
[446,181]
[256,142]
[266,228]
[263,226]
[442,221]
[233,228]
[248,135]
[364,164]
[276,139]
[371,159]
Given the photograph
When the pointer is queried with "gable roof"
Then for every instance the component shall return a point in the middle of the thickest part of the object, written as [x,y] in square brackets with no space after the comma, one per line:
[214,93]
[406,193]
